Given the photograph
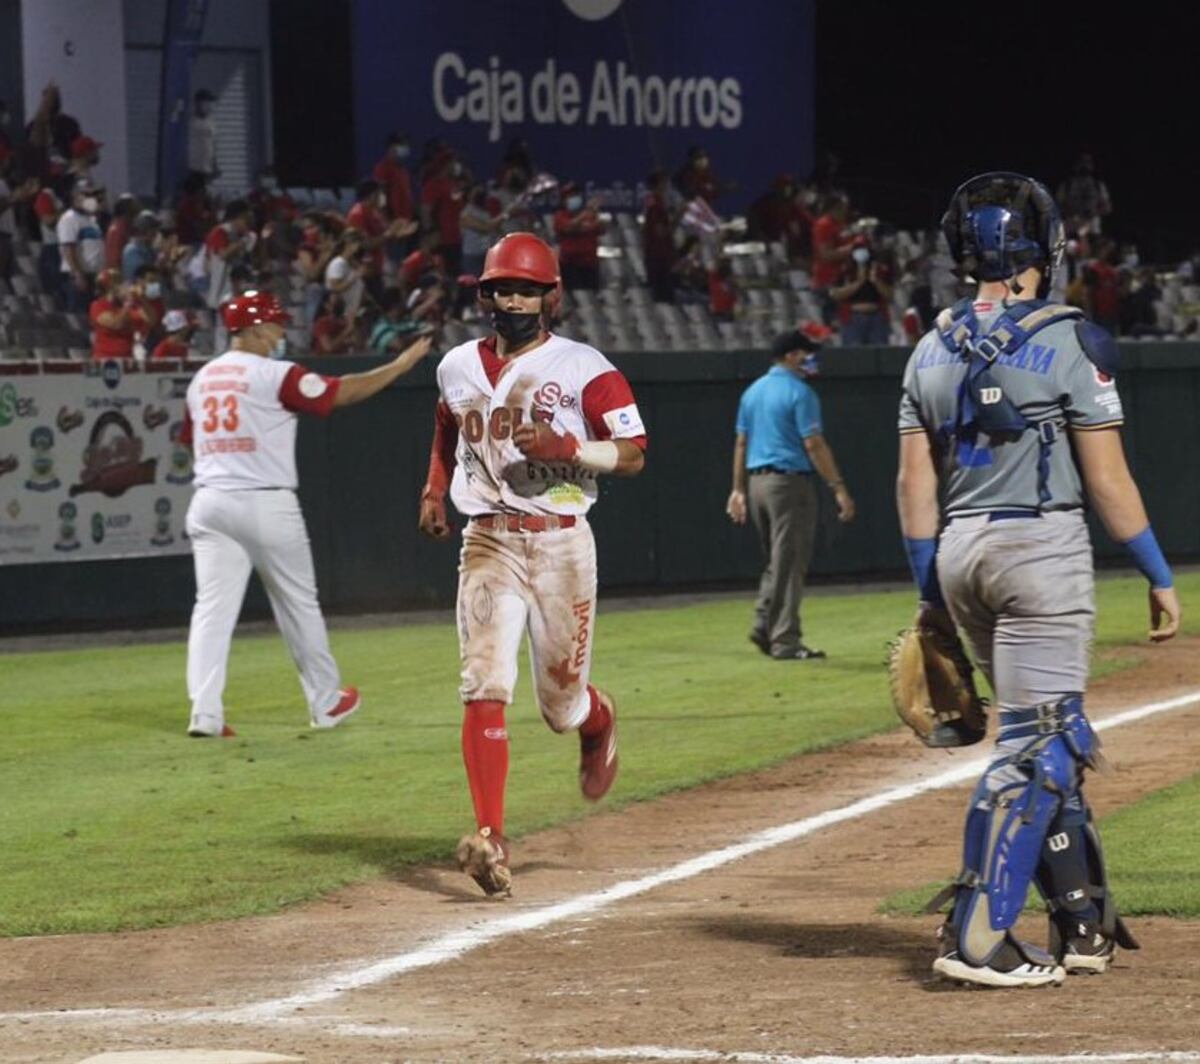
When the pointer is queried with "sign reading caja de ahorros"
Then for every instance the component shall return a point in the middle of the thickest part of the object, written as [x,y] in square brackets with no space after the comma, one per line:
[603,90]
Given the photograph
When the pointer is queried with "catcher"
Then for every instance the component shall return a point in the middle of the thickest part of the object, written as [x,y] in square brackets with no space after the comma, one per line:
[1010,411]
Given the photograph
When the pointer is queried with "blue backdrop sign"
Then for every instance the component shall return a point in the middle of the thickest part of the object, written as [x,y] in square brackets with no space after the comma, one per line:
[603,90]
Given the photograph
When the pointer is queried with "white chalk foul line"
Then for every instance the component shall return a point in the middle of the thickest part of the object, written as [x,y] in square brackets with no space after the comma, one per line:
[455,944]
[704,1055]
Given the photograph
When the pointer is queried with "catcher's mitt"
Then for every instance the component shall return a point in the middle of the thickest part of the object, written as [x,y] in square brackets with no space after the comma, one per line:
[933,687]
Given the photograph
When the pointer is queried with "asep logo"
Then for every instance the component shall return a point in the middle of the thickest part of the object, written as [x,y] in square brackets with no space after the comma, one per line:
[12,406]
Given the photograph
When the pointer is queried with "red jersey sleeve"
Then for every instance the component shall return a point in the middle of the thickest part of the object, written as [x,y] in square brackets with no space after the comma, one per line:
[306,392]
[611,410]
[441,454]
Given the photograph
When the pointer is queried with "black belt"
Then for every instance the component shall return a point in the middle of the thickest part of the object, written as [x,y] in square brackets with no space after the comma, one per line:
[999,515]
[781,472]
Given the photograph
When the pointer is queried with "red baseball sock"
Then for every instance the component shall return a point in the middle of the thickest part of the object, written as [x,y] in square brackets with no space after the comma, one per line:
[599,717]
[485,753]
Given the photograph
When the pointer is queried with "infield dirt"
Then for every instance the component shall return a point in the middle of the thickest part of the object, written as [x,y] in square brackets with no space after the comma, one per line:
[781,952]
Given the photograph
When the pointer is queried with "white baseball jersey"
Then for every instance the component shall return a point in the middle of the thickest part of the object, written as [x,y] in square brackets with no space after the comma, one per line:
[568,385]
[241,419]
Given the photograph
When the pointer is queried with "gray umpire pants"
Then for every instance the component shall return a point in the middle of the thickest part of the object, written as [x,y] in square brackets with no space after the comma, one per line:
[1022,591]
[783,508]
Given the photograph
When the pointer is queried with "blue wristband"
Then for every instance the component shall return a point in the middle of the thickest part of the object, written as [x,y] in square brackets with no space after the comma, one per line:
[922,560]
[1148,557]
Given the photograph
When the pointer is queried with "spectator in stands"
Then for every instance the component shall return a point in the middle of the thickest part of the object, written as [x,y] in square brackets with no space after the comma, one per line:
[395,328]
[120,228]
[178,329]
[333,331]
[140,250]
[1139,307]
[225,246]
[195,214]
[318,245]
[148,283]
[1103,282]
[20,192]
[516,166]
[345,275]
[577,228]
[864,292]
[118,315]
[696,178]
[658,238]
[50,129]
[689,273]
[85,156]
[722,291]
[81,246]
[269,202]
[202,139]
[392,175]
[780,216]
[442,201]
[480,228]
[831,248]
[48,208]
[1083,198]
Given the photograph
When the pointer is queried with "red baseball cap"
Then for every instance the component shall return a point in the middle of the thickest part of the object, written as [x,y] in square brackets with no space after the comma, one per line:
[83,146]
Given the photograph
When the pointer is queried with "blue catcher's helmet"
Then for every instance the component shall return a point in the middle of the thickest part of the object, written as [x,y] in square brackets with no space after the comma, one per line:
[1001,223]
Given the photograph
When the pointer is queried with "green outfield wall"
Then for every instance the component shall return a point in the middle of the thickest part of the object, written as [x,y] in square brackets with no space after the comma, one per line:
[361,471]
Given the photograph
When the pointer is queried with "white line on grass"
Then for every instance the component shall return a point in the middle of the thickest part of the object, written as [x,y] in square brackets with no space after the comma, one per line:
[455,944]
[703,1055]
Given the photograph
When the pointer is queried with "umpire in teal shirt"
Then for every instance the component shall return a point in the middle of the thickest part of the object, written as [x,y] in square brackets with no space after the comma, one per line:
[779,449]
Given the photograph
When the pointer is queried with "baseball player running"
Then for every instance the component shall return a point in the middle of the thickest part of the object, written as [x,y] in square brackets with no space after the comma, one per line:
[1010,406]
[241,422]
[526,422]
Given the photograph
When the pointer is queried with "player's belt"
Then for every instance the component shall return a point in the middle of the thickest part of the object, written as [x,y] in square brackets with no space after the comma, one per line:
[760,470]
[524,522]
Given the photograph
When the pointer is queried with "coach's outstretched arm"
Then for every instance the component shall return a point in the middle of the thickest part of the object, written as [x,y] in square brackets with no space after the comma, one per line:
[355,387]
[1115,496]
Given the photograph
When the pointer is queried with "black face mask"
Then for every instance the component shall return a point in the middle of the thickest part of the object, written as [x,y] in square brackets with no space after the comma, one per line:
[517,329]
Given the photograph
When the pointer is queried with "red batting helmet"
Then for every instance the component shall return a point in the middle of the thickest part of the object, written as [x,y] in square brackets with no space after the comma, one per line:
[253,308]
[521,257]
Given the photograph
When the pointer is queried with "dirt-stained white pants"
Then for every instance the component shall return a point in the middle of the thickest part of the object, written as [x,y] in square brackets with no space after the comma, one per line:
[232,532]
[540,582]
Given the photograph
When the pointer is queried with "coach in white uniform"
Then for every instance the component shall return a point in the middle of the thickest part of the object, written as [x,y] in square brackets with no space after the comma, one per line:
[241,421]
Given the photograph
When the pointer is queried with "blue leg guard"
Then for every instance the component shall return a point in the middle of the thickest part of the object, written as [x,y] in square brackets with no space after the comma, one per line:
[1020,796]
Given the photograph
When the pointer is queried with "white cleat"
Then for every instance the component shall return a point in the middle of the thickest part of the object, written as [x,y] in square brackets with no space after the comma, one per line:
[1026,974]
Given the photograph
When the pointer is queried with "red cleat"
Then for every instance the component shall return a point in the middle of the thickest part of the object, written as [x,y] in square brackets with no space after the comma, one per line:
[348,703]
[598,755]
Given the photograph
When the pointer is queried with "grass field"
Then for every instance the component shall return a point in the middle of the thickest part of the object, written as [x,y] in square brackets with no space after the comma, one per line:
[112,819]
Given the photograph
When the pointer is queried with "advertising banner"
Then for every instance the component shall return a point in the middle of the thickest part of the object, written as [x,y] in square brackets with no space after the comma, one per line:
[185,27]
[603,90]
[90,461]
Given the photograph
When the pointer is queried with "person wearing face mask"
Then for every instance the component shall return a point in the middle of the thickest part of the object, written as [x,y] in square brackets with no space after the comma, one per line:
[393,176]
[779,448]
[202,138]
[119,316]
[525,424]
[864,295]
[240,421]
[147,281]
[577,227]
[81,247]
[443,197]
[368,216]
[140,251]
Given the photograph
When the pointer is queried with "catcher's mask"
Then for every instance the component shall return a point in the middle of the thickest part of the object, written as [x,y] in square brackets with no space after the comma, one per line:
[1001,223]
